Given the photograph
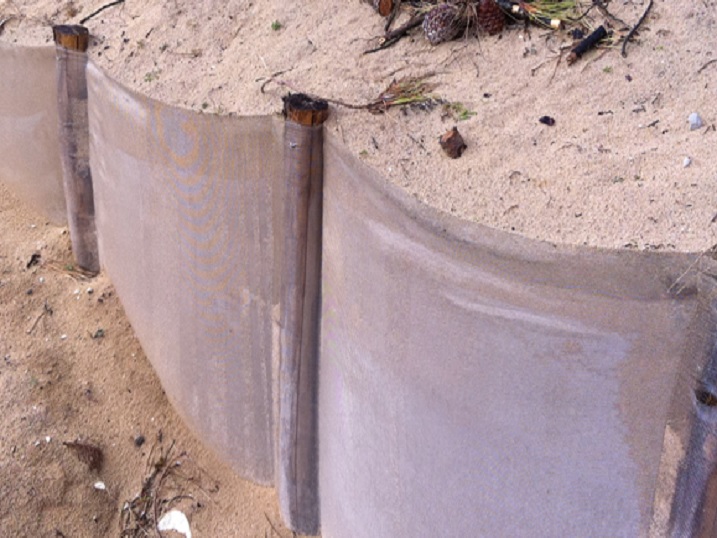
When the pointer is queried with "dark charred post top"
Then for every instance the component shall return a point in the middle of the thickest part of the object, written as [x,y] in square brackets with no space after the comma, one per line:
[305,110]
[73,37]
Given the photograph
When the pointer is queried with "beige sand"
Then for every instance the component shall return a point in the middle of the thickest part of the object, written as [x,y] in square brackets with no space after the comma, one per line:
[610,172]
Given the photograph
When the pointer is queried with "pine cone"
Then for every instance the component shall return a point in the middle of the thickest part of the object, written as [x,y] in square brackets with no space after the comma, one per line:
[443,23]
[490,17]
[384,7]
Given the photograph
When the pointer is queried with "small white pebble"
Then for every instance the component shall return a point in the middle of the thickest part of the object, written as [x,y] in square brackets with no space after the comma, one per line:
[77,291]
[41,279]
[90,291]
[100,486]
[48,439]
[33,226]
[63,337]
[686,162]
[695,121]
[36,443]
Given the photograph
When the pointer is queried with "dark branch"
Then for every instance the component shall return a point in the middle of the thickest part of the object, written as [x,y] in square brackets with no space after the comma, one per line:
[634,29]
[100,10]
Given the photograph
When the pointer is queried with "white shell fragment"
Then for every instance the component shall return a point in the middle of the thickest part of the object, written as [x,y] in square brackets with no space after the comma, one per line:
[695,121]
[100,486]
[174,520]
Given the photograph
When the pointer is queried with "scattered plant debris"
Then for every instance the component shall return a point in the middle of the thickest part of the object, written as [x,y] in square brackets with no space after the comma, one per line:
[70,270]
[457,111]
[402,92]
[445,20]
[168,486]
[406,91]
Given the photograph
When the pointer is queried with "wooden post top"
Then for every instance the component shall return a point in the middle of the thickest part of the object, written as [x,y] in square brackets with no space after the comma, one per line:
[73,37]
[305,110]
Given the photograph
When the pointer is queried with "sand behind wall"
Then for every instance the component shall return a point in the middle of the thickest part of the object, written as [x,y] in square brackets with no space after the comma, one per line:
[620,168]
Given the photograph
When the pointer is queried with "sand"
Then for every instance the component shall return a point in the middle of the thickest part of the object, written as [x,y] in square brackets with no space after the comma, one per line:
[610,173]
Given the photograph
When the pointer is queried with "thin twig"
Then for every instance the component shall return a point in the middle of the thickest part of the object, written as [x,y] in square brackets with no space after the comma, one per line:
[271,79]
[100,10]
[45,311]
[393,37]
[707,252]
[273,528]
[705,65]
[75,273]
[535,68]
[555,69]
[158,485]
[602,8]
[392,16]
[328,100]
[318,97]
[634,29]
[197,483]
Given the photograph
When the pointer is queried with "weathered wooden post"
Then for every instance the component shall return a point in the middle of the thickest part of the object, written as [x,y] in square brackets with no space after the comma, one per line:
[694,504]
[72,42]
[297,473]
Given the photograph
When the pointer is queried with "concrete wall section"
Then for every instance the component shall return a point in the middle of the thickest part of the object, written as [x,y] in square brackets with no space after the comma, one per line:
[476,384]
[184,216]
[29,147]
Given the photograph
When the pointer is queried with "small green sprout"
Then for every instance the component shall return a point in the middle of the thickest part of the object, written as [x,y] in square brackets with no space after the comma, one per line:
[459,112]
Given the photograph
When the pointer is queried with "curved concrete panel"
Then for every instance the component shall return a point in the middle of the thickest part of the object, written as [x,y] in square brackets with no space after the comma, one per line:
[186,233]
[473,383]
[29,134]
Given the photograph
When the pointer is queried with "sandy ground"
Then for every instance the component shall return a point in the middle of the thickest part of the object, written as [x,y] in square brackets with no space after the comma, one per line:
[611,172]
[71,370]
